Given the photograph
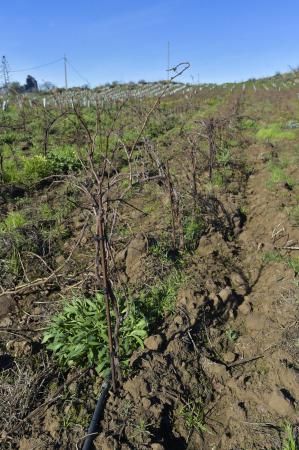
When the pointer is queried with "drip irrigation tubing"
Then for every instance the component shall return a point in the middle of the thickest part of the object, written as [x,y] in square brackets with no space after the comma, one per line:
[98,412]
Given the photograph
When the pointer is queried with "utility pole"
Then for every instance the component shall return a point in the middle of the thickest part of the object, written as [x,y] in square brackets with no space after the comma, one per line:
[65,71]
[5,74]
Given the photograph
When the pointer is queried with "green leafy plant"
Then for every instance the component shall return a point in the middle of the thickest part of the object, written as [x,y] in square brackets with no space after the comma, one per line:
[78,334]
[64,160]
[232,335]
[224,156]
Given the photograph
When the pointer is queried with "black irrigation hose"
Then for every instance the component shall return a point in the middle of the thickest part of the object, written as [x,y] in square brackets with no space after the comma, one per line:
[94,424]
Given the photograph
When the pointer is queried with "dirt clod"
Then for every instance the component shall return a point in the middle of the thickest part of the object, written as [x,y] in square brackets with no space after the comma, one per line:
[154,342]
[7,305]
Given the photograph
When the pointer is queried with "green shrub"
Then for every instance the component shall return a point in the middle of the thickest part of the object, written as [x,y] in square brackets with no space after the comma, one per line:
[64,160]
[32,169]
[162,125]
[78,334]
[36,168]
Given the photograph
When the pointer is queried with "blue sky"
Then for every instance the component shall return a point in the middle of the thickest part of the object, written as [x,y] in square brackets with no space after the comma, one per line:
[127,40]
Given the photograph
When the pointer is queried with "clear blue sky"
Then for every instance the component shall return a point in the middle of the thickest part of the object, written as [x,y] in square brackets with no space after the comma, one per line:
[126,40]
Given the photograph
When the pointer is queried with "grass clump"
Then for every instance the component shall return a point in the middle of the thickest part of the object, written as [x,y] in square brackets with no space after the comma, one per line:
[78,334]
[221,177]
[293,263]
[275,132]
[16,235]
[275,256]
[290,442]
[29,170]
[160,299]
[272,256]
[278,175]
[193,415]
[294,215]
[13,221]
[224,157]
[194,227]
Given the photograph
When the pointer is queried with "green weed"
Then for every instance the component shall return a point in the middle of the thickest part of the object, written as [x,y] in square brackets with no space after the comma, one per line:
[11,230]
[248,124]
[278,175]
[289,441]
[78,334]
[193,415]
[64,160]
[141,430]
[232,335]
[30,170]
[275,132]
[193,230]
[294,215]
[275,256]
[13,221]
[160,299]
[224,157]
[272,256]
[293,263]
[221,177]
[162,250]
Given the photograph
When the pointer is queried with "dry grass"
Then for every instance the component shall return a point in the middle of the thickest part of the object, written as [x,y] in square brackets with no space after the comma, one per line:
[21,387]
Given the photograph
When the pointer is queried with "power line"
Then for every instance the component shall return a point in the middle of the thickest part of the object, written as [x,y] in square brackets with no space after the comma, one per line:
[78,73]
[37,67]
[66,62]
